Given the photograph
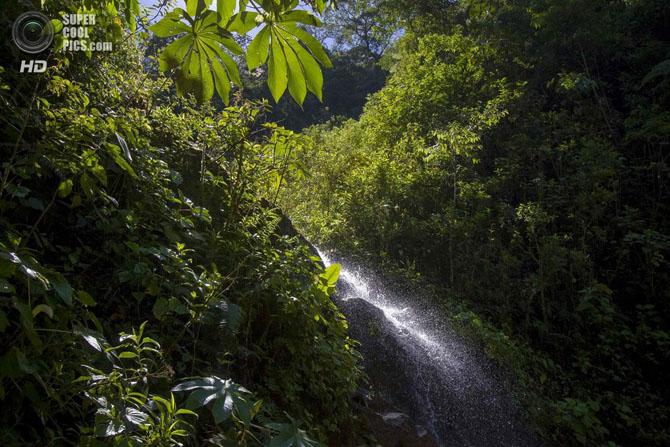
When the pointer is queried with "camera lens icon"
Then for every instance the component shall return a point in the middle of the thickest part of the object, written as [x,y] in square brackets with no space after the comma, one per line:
[33,32]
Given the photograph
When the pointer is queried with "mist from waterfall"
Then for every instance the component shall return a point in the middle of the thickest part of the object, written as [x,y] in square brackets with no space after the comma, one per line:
[456,393]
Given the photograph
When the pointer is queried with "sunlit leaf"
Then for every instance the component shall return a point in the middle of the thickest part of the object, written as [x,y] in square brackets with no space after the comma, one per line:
[224,9]
[65,188]
[168,26]
[277,70]
[313,45]
[311,70]
[43,308]
[243,22]
[257,53]
[302,16]
[296,78]
[331,273]
[173,55]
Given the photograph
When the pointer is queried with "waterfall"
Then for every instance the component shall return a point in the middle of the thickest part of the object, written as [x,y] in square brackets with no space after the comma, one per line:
[450,389]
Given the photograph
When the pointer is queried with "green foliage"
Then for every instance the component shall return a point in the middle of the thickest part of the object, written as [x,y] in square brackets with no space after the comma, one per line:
[197,51]
[292,52]
[515,161]
[127,210]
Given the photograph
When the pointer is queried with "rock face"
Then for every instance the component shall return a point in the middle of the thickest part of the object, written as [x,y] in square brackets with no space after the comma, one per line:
[387,409]
[424,396]
[428,390]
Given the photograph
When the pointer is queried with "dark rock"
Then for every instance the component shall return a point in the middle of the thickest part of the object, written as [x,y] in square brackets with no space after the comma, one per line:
[420,399]
[395,419]
[395,431]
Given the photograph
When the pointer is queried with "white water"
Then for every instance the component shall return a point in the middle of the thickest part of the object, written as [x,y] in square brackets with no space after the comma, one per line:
[402,318]
[450,389]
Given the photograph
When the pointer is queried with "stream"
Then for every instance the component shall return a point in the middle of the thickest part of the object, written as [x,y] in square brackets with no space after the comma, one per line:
[426,381]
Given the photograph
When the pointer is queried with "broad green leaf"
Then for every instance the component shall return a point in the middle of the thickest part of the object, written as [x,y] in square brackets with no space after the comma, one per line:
[225,9]
[100,173]
[58,25]
[234,314]
[173,55]
[136,417]
[135,7]
[43,308]
[257,53]
[64,291]
[130,17]
[224,395]
[228,62]
[244,411]
[161,307]
[65,188]
[302,16]
[87,185]
[221,81]
[231,45]
[205,382]
[18,191]
[115,153]
[27,322]
[123,164]
[85,298]
[310,68]
[290,436]
[187,78]
[14,364]
[106,424]
[127,355]
[221,410]
[314,45]
[207,86]
[205,24]
[93,338]
[168,26]
[331,273]
[191,7]
[200,398]
[296,79]
[243,22]
[277,70]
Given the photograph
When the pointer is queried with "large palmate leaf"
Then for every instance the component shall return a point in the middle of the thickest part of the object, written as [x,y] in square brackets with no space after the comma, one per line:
[289,435]
[199,53]
[202,35]
[222,396]
[290,63]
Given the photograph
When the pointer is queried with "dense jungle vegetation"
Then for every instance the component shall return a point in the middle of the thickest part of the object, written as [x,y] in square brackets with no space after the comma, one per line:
[146,294]
[507,157]
[516,161]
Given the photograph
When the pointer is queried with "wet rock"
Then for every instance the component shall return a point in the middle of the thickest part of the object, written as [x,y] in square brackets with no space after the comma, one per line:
[395,419]
[393,429]
[428,399]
